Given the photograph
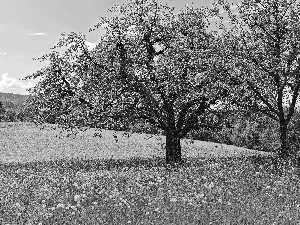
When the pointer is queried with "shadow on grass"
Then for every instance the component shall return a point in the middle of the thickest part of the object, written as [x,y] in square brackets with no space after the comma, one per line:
[93,165]
[81,164]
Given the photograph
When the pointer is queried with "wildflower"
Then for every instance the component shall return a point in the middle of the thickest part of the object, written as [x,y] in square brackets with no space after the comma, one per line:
[209,186]
[60,205]
[77,198]
[201,195]
[173,200]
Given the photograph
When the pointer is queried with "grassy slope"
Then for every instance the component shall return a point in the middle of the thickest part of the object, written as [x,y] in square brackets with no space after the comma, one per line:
[25,143]
[221,191]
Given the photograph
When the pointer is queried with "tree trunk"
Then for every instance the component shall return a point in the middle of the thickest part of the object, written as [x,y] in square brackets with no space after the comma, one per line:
[173,148]
[284,151]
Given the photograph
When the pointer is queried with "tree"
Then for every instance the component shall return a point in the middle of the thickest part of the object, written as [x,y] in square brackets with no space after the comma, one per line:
[2,111]
[263,43]
[150,65]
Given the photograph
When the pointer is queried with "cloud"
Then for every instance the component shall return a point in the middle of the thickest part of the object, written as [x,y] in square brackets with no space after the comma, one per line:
[3,53]
[90,45]
[38,34]
[10,84]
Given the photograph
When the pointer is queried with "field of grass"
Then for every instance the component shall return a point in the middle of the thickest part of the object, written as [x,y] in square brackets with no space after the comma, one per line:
[112,186]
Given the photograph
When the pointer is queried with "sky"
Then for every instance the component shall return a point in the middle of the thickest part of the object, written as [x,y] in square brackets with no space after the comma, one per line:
[29,28]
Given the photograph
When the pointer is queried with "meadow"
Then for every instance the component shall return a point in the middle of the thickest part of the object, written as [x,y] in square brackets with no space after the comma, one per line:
[49,178]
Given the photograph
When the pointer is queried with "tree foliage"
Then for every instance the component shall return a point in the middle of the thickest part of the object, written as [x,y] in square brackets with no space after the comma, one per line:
[263,43]
[150,64]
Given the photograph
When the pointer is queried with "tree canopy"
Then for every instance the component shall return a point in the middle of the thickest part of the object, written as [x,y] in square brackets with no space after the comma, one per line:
[264,49]
[150,64]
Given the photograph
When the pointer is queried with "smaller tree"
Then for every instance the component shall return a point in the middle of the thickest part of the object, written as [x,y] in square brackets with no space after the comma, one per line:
[263,47]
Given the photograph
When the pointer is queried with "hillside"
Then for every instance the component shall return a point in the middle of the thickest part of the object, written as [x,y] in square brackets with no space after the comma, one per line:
[24,142]
[10,99]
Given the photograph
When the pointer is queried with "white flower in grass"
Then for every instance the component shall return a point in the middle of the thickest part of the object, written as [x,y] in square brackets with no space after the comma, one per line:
[173,200]
[184,199]
[209,186]
[60,205]
[18,205]
[77,198]
[201,195]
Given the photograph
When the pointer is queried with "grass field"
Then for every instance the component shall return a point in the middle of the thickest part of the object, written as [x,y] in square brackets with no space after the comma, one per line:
[45,179]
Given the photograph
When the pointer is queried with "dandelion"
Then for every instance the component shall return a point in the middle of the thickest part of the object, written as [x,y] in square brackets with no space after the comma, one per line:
[60,205]
[18,205]
[77,198]
[209,186]
[201,195]
[173,200]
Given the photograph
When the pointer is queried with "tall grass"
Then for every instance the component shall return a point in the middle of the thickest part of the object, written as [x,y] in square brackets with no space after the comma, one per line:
[146,191]
[228,190]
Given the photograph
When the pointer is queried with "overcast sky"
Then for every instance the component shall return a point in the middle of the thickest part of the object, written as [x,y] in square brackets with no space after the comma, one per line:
[29,28]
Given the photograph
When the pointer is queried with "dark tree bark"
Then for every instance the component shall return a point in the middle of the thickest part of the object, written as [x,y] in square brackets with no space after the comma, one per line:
[173,148]
[284,150]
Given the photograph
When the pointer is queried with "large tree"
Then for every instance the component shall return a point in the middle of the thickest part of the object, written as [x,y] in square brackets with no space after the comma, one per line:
[150,64]
[263,45]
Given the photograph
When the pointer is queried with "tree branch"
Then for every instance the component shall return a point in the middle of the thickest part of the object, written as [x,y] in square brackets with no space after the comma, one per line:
[265,101]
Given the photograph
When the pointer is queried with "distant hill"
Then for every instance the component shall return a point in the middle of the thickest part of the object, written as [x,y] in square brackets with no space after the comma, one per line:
[10,99]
